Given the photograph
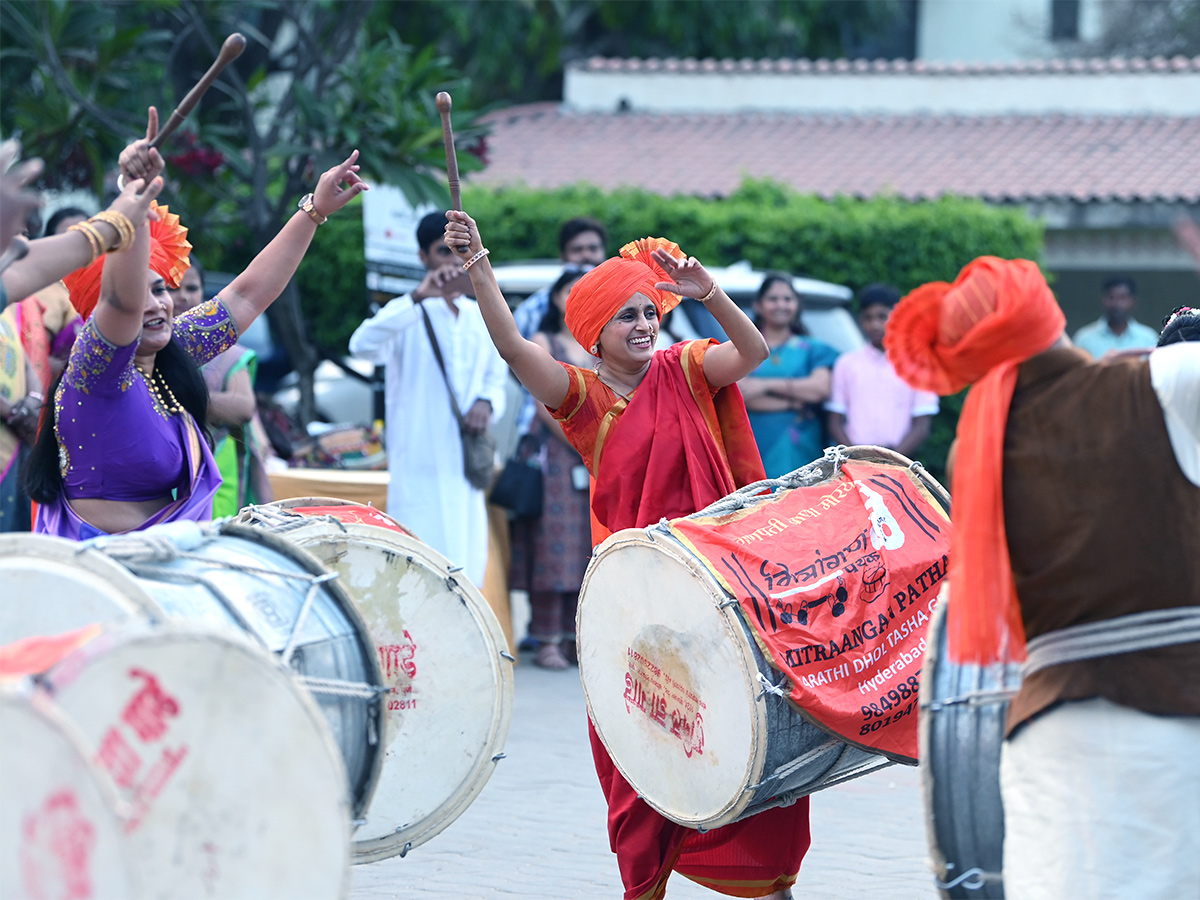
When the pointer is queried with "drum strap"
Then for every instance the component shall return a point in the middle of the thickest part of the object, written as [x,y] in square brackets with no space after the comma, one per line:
[1124,634]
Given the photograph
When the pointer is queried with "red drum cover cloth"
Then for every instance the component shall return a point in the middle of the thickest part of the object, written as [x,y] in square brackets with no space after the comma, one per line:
[363,515]
[838,581]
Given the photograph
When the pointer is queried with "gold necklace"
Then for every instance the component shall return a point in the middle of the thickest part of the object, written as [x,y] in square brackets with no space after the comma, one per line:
[612,387]
[153,381]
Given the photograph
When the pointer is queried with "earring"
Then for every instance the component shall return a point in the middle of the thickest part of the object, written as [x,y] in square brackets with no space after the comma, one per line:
[595,351]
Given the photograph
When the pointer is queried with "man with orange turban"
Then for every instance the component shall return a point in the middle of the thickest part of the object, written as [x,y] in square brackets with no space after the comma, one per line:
[663,434]
[1076,551]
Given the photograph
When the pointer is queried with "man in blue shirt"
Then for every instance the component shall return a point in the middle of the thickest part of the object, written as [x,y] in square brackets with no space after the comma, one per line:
[1117,329]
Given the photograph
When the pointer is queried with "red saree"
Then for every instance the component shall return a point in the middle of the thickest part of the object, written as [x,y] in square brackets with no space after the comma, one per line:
[673,448]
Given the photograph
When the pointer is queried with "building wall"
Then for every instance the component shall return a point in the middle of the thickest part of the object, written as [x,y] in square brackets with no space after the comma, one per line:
[995,30]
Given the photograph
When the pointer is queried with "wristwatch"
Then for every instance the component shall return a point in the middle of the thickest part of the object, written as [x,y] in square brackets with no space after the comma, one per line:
[306,204]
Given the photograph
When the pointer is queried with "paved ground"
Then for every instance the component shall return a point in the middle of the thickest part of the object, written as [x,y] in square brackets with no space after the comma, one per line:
[538,828]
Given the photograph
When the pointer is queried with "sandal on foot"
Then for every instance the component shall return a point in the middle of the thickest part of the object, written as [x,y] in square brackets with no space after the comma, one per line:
[549,656]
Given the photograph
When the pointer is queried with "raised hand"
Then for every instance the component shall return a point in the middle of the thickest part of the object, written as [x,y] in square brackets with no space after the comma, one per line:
[690,278]
[329,196]
[462,234]
[135,198]
[139,159]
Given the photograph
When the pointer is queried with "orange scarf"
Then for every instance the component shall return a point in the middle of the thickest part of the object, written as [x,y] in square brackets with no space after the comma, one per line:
[943,337]
[600,294]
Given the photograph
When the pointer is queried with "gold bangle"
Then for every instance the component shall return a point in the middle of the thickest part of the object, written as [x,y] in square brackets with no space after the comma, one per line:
[712,292]
[93,239]
[124,227]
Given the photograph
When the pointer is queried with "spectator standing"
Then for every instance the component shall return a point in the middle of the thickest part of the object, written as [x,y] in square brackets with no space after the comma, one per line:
[868,402]
[784,394]
[1117,329]
[581,242]
[428,491]
[550,553]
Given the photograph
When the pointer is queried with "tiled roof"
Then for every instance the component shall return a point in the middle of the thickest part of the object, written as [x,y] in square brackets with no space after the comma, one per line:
[998,158]
[1094,66]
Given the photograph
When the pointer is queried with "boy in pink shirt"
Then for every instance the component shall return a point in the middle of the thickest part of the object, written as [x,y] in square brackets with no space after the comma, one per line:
[869,404]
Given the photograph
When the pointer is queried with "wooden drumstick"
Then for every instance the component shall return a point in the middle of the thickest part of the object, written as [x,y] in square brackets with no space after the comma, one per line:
[230,50]
[443,105]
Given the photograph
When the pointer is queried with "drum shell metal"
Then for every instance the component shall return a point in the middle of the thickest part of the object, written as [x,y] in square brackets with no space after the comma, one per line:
[961,730]
[219,575]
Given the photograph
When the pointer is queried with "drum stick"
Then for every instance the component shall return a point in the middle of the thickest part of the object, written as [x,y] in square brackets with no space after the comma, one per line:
[230,50]
[443,105]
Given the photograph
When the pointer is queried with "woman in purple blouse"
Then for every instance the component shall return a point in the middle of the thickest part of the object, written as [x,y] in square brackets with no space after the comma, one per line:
[128,448]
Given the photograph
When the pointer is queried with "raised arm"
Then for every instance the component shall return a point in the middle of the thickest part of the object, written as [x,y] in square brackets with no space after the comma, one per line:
[124,283]
[534,367]
[746,348]
[249,295]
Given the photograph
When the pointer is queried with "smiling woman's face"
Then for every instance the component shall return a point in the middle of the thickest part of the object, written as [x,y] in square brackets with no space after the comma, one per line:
[157,316]
[627,341]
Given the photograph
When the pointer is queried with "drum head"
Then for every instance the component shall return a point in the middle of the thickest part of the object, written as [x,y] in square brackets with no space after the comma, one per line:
[439,647]
[232,783]
[52,585]
[59,831]
[669,678]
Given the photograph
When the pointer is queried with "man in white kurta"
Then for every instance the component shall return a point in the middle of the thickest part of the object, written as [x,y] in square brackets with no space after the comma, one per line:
[428,491]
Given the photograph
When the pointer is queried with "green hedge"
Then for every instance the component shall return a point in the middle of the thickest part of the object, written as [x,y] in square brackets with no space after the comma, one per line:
[844,240]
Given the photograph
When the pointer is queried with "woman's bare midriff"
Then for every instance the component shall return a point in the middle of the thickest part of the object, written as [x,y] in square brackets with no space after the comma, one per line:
[115,516]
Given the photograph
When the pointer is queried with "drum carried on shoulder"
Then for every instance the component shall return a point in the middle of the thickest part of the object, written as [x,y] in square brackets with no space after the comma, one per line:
[770,645]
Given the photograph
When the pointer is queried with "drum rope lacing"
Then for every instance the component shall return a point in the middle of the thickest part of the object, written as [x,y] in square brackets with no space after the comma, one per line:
[1124,634]
[141,552]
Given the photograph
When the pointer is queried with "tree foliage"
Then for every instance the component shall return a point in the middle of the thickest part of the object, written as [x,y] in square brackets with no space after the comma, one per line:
[317,80]
[487,38]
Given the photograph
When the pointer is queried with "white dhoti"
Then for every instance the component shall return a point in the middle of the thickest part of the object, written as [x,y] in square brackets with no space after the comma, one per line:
[1102,801]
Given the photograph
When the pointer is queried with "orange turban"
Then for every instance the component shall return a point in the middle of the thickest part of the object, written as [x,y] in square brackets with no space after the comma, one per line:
[169,249]
[943,337]
[600,294]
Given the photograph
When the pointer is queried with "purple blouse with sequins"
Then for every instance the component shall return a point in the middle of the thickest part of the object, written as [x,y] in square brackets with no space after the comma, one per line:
[118,442]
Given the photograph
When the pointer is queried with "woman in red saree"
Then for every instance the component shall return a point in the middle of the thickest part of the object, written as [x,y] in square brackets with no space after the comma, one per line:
[663,435]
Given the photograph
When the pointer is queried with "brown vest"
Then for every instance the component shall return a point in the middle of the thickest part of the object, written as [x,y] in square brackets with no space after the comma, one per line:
[1101,523]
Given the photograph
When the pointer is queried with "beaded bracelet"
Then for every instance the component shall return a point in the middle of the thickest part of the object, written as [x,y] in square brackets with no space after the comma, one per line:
[476,258]
[124,227]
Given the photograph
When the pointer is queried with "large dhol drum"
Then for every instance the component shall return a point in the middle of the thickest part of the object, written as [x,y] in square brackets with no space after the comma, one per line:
[685,627]
[441,651]
[218,575]
[229,783]
[963,710]
[60,835]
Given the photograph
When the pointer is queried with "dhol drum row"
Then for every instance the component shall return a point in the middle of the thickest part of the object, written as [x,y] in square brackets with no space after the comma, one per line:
[770,645]
[405,663]
[963,710]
